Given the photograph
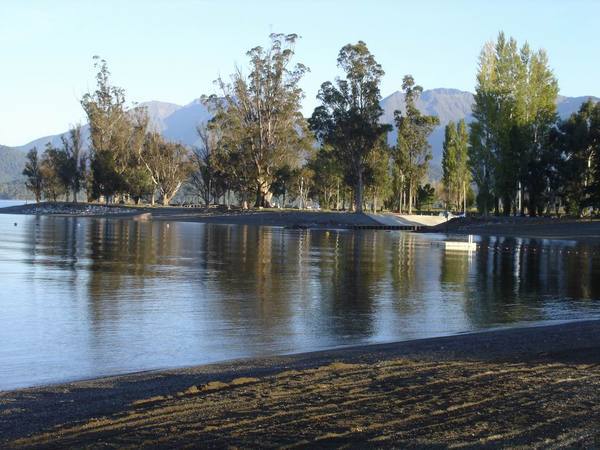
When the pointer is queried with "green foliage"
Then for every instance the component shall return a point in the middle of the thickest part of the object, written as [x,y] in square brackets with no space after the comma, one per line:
[425,196]
[514,112]
[577,159]
[348,118]
[33,174]
[455,163]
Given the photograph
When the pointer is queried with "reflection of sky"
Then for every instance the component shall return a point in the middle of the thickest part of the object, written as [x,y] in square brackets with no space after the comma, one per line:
[89,297]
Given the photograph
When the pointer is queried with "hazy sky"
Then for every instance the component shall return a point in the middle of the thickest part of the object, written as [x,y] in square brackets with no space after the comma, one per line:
[172,50]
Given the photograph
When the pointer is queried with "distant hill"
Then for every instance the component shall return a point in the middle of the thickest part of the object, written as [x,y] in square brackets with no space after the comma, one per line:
[12,162]
[178,123]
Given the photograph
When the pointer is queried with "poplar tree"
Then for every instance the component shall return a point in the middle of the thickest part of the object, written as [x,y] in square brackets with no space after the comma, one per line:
[455,163]
[514,111]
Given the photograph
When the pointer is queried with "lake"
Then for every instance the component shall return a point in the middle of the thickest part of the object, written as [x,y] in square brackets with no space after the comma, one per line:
[86,297]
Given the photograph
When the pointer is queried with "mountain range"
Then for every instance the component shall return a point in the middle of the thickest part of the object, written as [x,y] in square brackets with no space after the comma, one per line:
[178,123]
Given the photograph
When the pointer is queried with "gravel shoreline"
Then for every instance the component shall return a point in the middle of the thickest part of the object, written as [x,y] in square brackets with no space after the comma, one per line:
[533,385]
[235,216]
[523,227]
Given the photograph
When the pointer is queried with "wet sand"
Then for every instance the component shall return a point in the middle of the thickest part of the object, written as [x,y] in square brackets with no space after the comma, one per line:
[534,386]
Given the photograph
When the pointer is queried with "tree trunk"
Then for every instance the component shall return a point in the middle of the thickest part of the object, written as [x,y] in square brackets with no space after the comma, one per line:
[258,202]
[410,196]
[506,205]
[358,193]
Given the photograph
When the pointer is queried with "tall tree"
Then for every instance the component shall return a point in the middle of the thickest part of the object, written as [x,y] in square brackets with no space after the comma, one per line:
[348,118]
[450,163]
[116,136]
[482,137]
[204,174]
[413,152]
[259,116]
[538,120]
[33,174]
[463,164]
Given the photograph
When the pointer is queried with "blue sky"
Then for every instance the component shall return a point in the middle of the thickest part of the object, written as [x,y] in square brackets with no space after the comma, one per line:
[173,50]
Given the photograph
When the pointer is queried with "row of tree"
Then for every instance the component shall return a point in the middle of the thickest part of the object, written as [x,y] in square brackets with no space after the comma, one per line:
[258,148]
[258,144]
[125,160]
[523,158]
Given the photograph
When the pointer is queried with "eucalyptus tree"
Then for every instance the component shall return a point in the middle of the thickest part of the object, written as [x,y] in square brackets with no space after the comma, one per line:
[259,115]
[116,136]
[413,152]
[168,165]
[33,174]
[348,118]
[204,176]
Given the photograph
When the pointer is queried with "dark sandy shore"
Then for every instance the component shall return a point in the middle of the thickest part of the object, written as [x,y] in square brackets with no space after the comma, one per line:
[524,227]
[536,386]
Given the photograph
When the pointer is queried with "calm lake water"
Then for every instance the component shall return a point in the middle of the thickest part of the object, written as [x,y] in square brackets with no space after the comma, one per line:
[83,297]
